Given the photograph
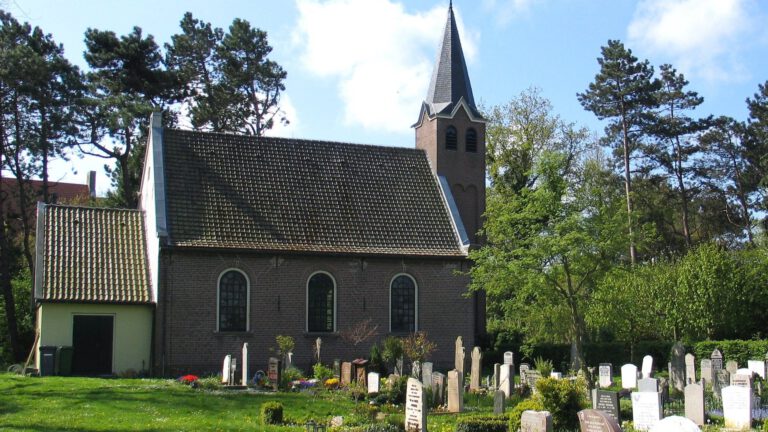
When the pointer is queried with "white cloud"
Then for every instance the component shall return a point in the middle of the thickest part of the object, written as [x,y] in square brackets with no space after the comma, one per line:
[701,37]
[381,55]
[505,10]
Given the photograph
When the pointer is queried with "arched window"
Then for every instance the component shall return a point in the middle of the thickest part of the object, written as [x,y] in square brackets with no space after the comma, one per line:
[402,304]
[471,140]
[233,301]
[450,138]
[321,303]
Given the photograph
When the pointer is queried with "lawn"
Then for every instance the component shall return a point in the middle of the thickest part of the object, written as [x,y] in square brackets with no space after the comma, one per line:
[93,404]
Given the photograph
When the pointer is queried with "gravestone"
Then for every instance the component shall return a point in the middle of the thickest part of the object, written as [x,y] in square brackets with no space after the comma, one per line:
[346,373]
[731,366]
[232,370]
[646,409]
[438,388]
[524,368]
[337,368]
[426,375]
[499,402]
[757,367]
[318,344]
[721,381]
[459,356]
[474,378]
[556,375]
[391,380]
[399,366]
[706,370]
[536,421]
[741,380]
[608,402]
[694,403]
[606,375]
[416,369]
[225,369]
[591,420]
[245,364]
[629,376]
[648,385]
[507,379]
[677,366]
[647,366]
[675,424]
[455,391]
[690,368]
[717,360]
[361,373]
[273,372]
[415,407]
[496,375]
[373,382]
[533,376]
[737,407]
[509,357]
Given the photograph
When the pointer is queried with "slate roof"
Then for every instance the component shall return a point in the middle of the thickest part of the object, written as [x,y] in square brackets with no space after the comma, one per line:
[276,194]
[93,255]
[450,79]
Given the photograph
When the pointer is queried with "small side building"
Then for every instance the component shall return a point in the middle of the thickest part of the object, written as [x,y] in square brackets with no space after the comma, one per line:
[92,288]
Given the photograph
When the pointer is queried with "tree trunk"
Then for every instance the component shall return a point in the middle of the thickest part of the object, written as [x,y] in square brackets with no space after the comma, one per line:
[683,192]
[628,186]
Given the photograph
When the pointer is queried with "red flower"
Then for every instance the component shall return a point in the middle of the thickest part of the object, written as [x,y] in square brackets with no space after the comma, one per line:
[188,379]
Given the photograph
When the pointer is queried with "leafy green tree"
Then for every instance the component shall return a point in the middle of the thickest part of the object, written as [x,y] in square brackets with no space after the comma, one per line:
[623,91]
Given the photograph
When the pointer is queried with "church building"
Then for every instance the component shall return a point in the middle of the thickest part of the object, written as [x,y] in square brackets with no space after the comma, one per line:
[241,238]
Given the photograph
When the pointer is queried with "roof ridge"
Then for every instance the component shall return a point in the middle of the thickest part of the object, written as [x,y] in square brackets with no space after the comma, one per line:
[81,207]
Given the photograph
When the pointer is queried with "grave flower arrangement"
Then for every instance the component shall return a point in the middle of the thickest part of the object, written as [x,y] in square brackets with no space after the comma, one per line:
[303,384]
[189,379]
[332,383]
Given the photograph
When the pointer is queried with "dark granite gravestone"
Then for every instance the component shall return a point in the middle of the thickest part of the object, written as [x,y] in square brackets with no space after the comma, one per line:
[597,421]
[608,402]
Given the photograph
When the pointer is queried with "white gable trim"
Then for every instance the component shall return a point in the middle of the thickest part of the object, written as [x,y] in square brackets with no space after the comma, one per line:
[458,225]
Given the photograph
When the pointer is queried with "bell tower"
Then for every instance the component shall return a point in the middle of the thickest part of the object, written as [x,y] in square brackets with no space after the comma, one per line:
[451,131]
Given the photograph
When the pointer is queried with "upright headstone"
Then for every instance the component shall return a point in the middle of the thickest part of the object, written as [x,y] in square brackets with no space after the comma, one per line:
[677,366]
[606,375]
[459,356]
[232,370]
[426,375]
[731,366]
[496,375]
[499,402]
[690,368]
[646,409]
[556,375]
[706,370]
[717,360]
[318,344]
[524,368]
[346,373]
[273,372]
[757,367]
[737,407]
[721,381]
[373,382]
[415,407]
[225,369]
[455,392]
[694,403]
[245,364]
[533,376]
[416,369]
[591,420]
[474,379]
[741,380]
[608,402]
[536,421]
[507,379]
[675,424]
[361,372]
[629,376]
[337,368]
[438,387]
[647,366]
[509,357]
[648,385]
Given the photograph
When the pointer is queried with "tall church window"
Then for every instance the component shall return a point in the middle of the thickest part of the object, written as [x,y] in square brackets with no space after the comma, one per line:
[321,303]
[471,140]
[233,301]
[450,138]
[402,297]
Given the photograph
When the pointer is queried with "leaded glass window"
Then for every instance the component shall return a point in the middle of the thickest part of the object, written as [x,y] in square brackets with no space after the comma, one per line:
[403,304]
[320,303]
[233,302]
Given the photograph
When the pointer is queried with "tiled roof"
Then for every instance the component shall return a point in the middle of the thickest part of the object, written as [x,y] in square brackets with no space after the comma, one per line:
[233,191]
[94,255]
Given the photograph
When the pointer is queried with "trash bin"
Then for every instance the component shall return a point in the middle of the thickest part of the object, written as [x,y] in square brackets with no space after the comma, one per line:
[64,360]
[47,360]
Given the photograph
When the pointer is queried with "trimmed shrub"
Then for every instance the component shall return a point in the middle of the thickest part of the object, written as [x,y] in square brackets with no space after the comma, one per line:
[272,413]
[533,404]
[563,399]
[497,423]
[322,372]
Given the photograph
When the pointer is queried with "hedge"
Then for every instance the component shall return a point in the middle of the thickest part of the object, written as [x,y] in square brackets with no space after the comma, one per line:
[739,350]
[487,423]
[272,413]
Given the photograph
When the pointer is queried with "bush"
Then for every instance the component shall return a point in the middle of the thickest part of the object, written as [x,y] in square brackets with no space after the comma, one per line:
[563,399]
[543,366]
[291,373]
[322,372]
[209,383]
[497,423]
[739,350]
[394,394]
[393,350]
[533,404]
[272,413]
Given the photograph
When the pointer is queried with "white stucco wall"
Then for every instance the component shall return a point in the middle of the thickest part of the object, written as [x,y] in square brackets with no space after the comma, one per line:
[132,335]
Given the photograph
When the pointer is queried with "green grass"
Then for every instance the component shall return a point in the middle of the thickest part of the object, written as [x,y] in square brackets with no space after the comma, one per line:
[93,404]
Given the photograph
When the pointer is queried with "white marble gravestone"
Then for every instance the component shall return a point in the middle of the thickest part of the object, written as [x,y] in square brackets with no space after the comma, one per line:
[373,382]
[556,375]
[507,379]
[737,407]
[694,403]
[706,370]
[629,376]
[455,391]
[415,407]
[648,385]
[647,366]
[675,424]
[474,378]
[226,368]
[743,379]
[536,421]
[757,367]
[509,357]
[606,375]
[646,409]
[245,364]
[426,375]
[690,368]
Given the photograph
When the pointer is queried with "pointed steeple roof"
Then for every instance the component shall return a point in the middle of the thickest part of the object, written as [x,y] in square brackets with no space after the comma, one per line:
[450,80]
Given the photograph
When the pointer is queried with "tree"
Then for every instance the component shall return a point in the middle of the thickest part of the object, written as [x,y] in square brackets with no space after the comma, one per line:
[623,91]
[756,142]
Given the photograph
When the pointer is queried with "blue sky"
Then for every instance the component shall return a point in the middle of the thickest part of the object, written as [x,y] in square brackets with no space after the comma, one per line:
[358,69]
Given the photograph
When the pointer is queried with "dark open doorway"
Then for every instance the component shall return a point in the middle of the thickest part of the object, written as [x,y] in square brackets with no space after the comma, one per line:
[92,343]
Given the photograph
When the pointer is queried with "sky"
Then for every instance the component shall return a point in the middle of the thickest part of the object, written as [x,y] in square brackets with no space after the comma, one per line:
[358,70]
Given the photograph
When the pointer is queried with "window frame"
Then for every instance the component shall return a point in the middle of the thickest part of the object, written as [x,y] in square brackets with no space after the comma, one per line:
[306,303]
[415,302]
[455,146]
[247,301]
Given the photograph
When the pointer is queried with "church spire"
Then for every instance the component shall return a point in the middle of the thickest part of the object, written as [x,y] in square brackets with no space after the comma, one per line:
[450,80]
